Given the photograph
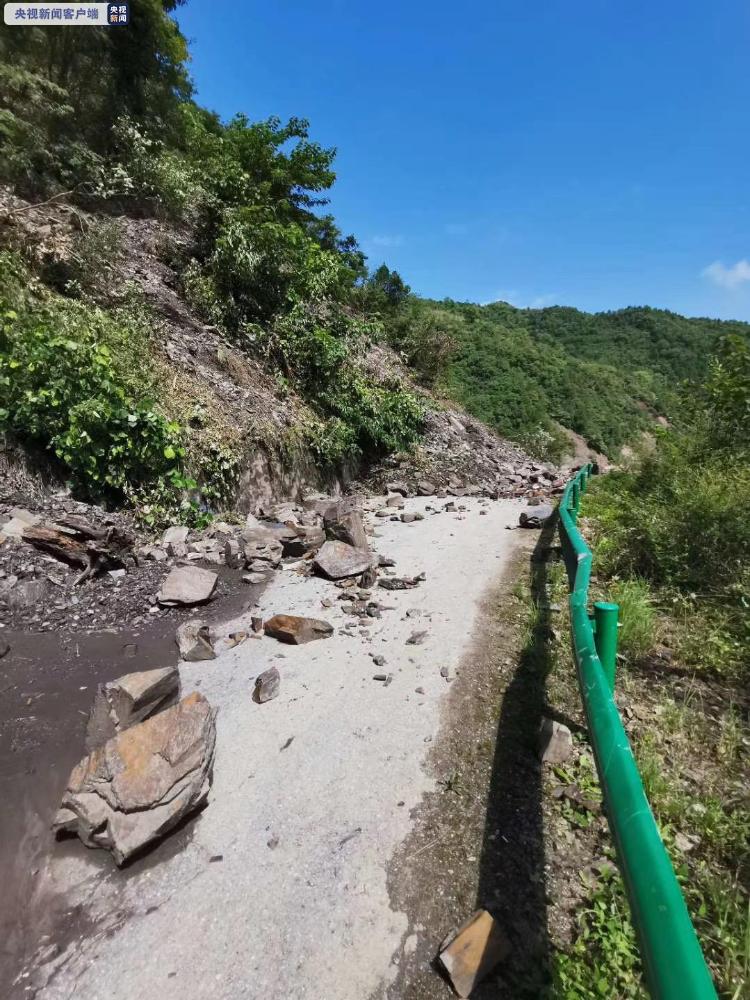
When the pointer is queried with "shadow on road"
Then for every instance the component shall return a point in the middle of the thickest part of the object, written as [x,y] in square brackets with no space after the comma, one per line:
[511,876]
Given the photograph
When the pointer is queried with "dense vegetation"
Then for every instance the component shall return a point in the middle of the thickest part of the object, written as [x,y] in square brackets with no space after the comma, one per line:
[106,118]
[672,545]
[528,371]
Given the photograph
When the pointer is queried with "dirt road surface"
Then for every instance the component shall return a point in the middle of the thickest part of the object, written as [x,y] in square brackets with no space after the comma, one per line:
[278,890]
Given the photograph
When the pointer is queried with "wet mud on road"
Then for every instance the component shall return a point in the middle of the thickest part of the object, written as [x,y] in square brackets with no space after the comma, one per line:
[47,684]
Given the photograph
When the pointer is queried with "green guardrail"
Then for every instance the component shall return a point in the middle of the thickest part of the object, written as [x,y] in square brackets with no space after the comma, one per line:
[673,964]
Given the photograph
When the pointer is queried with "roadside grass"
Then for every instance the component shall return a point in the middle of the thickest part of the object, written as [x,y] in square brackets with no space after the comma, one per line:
[688,726]
[637,616]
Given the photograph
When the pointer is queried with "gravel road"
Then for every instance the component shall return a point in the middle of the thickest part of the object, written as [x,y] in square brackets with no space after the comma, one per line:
[277,891]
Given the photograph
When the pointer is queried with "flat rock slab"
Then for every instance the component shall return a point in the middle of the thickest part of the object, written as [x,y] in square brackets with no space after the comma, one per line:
[470,953]
[338,560]
[188,585]
[130,699]
[140,784]
[296,630]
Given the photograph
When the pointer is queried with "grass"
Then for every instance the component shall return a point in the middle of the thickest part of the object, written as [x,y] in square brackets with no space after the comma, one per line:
[637,616]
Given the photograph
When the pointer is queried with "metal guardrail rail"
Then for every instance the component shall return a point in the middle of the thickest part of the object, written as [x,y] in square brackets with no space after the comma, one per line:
[673,964]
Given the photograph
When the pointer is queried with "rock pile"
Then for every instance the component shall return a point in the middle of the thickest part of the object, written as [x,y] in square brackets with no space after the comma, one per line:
[459,456]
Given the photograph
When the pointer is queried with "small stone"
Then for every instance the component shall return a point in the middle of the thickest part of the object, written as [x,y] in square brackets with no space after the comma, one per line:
[685,843]
[267,686]
[445,672]
[379,660]
[236,638]
[555,742]
[419,690]
[194,642]
[4,648]
[396,501]
[255,579]
[470,953]
[380,677]
[397,583]
[416,638]
[425,488]
[234,556]
[401,488]
[408,518]
[176,535]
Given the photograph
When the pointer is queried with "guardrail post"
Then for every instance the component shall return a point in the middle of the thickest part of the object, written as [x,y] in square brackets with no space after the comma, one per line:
[605,637]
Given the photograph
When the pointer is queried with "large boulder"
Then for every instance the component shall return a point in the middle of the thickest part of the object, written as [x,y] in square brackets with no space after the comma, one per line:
[337,560]
[188,585]
[296,630]
[343,523]
[261,545]
[140,784]
[298,539]
[536,517]
[130,699]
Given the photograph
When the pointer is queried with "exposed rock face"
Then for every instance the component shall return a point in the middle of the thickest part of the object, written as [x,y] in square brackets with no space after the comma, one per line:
[337,560]
[188,585]
[295,630]
[140,784]
[122,703]
[194,641]
[343,522]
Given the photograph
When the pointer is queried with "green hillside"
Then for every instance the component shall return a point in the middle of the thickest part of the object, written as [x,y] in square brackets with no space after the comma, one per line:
[603,375]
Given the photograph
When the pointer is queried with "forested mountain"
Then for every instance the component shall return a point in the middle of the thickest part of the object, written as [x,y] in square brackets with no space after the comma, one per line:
[524,371]
[105,120]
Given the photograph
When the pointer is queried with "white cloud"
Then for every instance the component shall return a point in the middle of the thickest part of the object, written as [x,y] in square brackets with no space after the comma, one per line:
[514,297]
[386,241]
[541,301]
[728,277]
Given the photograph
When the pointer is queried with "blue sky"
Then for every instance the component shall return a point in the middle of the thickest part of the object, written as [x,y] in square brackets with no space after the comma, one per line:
[594,154]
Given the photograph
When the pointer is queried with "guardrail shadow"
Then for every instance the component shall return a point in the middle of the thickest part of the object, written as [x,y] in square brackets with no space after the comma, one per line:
[511,875]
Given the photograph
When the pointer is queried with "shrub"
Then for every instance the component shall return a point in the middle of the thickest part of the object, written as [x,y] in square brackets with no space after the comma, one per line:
[63,389]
